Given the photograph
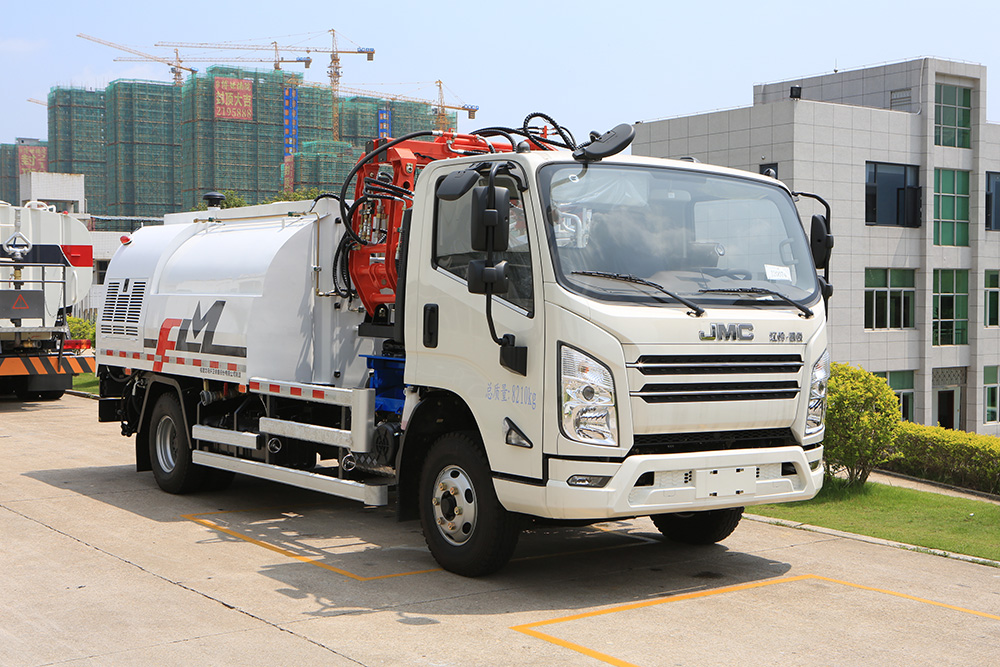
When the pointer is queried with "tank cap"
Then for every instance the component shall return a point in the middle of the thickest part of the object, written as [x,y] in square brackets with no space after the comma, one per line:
[214,199]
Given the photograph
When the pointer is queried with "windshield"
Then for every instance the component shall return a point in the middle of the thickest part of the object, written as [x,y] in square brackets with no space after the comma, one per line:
[705,238]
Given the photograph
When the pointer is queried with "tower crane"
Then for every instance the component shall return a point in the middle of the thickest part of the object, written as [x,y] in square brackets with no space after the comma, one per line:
[32,99]
[439,106]
[333,69]
[302,60]
[175,66]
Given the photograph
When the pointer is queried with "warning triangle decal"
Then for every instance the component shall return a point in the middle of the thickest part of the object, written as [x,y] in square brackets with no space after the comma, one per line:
[20,303]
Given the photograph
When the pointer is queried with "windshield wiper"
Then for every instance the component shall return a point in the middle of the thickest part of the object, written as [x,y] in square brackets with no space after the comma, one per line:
[760,290]
[626,278]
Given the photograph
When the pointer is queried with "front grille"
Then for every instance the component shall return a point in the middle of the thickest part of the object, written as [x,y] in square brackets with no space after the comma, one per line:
[696,392]
[717,364]
[674,443]
[724,366]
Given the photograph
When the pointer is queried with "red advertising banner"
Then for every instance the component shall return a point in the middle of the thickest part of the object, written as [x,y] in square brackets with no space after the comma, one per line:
[233,99]
[32,158]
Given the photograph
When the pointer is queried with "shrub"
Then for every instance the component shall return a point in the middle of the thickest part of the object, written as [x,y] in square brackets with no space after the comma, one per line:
[82,329]
[861,422]
[968,460]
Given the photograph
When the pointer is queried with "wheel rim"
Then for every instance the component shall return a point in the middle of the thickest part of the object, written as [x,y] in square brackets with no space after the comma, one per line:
[454,503]
[166,444]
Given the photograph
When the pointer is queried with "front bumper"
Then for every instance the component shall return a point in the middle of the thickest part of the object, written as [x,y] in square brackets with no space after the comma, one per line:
[660,483]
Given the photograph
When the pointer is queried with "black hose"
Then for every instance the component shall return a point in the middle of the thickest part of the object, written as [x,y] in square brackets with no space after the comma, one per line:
[323,195]
[567,137]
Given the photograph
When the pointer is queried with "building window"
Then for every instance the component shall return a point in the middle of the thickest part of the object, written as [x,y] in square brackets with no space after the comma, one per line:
[951,307]
[773,166]
[889,298]
[901,382]
[952,116]
[993,201]
[100,270]
[992,282]
[991,398]
[892,196]
[951,207]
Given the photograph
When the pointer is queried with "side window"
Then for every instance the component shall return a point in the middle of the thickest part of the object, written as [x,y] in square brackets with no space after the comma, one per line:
[453,244]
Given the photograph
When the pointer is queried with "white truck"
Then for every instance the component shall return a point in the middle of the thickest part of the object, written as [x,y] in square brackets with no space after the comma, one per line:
[46,267]
[522,332]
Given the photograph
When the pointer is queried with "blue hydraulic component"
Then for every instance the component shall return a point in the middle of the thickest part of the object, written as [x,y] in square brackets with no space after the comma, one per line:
[387,381]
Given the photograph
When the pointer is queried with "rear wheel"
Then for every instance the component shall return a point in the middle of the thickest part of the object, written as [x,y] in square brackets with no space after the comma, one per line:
[466,528]
[169,452]
[698,527]
[52,395]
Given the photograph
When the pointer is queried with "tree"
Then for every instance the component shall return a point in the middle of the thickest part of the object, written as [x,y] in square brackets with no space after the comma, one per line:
[861,422]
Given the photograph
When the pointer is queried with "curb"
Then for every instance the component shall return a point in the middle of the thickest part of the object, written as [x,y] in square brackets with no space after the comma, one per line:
[83,394]
[940,485]
[871,540]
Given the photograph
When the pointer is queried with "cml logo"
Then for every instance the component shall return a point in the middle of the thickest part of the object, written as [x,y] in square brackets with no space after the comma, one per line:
[189,331]
[727,332]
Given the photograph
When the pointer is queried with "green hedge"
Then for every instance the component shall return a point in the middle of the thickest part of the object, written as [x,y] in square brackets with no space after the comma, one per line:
[82,329]
[968,460]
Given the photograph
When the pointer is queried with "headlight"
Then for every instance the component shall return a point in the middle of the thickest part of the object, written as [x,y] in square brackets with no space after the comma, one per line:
[816,416]
[587,399]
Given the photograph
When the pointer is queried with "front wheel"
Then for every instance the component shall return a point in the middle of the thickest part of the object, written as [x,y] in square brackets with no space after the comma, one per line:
[466,528]
[698,527]
[169,452]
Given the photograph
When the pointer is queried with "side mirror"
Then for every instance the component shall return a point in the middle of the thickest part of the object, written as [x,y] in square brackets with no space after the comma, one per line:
[481,277]
[456,184]
[821,241]
[490,211]
[610,143]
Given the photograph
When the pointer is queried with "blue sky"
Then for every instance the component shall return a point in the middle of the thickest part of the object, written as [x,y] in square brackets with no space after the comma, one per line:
[591,65]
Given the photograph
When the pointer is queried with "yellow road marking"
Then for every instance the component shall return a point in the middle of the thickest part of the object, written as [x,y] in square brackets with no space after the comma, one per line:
[291,554]
[529,628]
[196,518]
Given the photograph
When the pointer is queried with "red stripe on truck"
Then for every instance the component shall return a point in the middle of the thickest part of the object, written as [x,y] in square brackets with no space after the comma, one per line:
[79,255]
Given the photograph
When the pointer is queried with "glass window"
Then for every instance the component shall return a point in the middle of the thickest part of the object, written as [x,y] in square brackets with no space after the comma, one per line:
[890,295]
[992,201]
[901,382]
[951,207]
[951,307]
[717,240]
[992,283]
[991,399]
[453,244]
[952,116]
[892,196]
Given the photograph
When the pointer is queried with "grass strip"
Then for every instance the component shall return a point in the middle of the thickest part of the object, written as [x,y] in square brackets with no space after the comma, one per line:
[920,518]
[87,382]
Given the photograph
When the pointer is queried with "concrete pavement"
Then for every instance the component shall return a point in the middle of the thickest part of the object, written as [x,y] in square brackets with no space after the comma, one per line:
[102,568]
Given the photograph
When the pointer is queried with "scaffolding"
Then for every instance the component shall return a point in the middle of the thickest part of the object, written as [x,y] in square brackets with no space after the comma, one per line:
[9,184]
[143,143]
[76,139]
[232,132]
[323,165]
[149,148]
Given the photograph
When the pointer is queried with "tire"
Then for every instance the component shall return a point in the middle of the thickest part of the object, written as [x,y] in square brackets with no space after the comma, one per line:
[698,527]
[468,532]
[169,452]
[53,395]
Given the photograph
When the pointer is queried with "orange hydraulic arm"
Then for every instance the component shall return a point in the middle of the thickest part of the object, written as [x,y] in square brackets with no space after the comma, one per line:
[377,215]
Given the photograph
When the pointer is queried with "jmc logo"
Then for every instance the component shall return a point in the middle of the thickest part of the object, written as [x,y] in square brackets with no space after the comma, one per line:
[726,332]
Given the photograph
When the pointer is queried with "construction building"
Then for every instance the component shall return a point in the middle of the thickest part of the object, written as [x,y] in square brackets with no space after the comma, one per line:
[911,167]
[149,148]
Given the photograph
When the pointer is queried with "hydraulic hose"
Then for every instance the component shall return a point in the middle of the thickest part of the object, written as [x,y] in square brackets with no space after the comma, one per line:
[344,212]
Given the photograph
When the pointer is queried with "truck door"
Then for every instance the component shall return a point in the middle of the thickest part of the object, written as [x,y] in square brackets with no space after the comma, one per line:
[455,349]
